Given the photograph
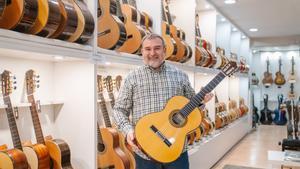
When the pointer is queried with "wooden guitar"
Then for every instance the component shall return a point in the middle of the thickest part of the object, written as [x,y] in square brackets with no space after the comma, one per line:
[254,79]
[279,78]
[291,94]
[292,76]
[2,6]
[111,30]
[188,52]
[162,135]
[268,79]
[201,55]
[110,153]
[12,158]
[171,46]
[58,149]
[148,22]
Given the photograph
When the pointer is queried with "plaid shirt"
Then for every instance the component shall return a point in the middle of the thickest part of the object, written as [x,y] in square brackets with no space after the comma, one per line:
[146,90]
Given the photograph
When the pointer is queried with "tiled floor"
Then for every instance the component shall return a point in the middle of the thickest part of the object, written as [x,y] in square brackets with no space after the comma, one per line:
[253,149]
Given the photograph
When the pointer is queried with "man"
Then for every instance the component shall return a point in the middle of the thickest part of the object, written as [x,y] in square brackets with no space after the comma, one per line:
[147,89]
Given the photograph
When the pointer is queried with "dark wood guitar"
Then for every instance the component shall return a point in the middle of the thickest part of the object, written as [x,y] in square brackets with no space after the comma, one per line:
[279,78]
[268,79]
[12,158]
[58,149]
[111,30]
[163,139]
[2,6]
[266,113]
[188,52]
[110,154]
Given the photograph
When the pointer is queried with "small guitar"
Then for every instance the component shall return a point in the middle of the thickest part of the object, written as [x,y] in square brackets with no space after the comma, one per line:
[111,30]
[292,76]
[162,135]
[12,158]
[268,79]
[279,79]
[110,154]
[266,113]
[58,149]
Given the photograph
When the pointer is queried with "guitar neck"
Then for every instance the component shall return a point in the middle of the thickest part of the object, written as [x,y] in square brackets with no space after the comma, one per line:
[35,120]
[163,13]
[132,3]
[198,98]
[112,98]
[118,10]
[99,139]
[12,123]
[104,111]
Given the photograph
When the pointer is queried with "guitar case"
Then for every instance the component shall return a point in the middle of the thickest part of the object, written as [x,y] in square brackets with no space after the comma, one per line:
[266,113]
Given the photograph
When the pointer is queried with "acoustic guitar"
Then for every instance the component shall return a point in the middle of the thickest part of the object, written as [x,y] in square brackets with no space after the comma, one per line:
[268,79]
[2,6]
[266,113]
[110,154]
[292,75]
[279,78]
[292,94]
[188,52]
[254,79]
[148,22]
[59,150]
[12,158]
[111,30]
[162,135]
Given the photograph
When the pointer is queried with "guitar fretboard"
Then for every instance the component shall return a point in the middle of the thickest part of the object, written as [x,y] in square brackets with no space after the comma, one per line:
[104,110]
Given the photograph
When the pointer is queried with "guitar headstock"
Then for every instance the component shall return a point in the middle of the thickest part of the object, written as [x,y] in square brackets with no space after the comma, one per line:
[32,81]
[230,68]
[99,84]
[109,83]
[8,82]
[118,82]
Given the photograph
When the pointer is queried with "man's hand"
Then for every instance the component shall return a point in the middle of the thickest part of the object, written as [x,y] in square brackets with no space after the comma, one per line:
[208,97]
[130,138]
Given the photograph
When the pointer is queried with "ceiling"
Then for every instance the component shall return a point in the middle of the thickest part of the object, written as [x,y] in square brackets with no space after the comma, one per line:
[277,21]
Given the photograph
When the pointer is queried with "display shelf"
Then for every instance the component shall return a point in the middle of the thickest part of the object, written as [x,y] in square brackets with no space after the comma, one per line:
[31,43]
[26,104]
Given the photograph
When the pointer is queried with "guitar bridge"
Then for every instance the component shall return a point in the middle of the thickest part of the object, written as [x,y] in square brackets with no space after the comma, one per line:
[161,136]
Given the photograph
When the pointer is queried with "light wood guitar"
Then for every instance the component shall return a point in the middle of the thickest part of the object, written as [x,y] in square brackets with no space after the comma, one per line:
[188,52]
[279,78]
[292,76]
[111,30]
[161,135]
[110,153]
[123,145]
[59,150]
[12,158]
[268,79]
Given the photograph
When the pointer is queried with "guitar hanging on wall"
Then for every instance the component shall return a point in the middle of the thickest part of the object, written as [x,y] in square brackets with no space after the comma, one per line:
[279,79]
[162,135]
[268,79]
[292,76]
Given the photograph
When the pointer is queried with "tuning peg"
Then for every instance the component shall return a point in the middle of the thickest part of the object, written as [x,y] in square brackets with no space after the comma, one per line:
[37,76]
[38,81]
[15,87]
[38,86]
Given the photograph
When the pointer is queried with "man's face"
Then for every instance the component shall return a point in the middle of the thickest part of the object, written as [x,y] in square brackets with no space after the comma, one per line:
[153,52]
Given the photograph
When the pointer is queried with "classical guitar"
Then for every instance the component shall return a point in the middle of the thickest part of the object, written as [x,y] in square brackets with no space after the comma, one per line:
[162,135]
[12,158]
[292,75]
[219,59]
[110,154]
[58,149]
[219,122]
[266,113]
[292,94]
[2,6]
[111,30]
[171,46]
[188,52]
[279,78]
[48,18]
[148,22]
[268,79]
[201,55]
[109,87]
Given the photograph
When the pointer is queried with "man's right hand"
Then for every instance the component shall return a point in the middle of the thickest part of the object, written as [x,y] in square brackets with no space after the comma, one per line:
[130,138]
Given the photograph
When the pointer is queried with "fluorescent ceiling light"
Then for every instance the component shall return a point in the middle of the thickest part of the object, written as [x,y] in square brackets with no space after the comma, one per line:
[229,1]
[253,29]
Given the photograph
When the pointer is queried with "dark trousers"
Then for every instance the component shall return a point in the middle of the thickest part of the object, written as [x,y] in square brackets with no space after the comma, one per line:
[181,163]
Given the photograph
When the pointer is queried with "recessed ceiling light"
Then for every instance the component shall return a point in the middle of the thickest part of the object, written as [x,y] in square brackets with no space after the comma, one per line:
[223,19]
[253,29]
[207,6]
[234,29]
[107,63]
[243,37]
[57,57]
[229,1]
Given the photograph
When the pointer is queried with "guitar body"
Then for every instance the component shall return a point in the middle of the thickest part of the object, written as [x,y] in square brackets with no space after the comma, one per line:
[179,43]
[292,78]
[42,17]
[37,156]
[266,116]
[112,156]
[135,33]
[60,153]
[152,144]
[171,46]
[80,23]
[279,79]
[128,152]
[13,159]
[12,14]
[267,80]
[111,31]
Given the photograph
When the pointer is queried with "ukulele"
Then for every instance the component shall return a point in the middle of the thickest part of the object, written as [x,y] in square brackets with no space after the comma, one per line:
[109,86]
[110,154]
[292,75]
[279,79]
[162,135]
[171,46]
[59,150]
[111,30]
[266,113]
[12,158]
[268,79]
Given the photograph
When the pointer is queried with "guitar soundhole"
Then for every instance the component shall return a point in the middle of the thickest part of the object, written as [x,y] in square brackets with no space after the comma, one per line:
[101,147]
[177,119]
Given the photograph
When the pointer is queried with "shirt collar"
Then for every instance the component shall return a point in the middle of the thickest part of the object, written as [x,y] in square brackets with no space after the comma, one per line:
[160,69]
